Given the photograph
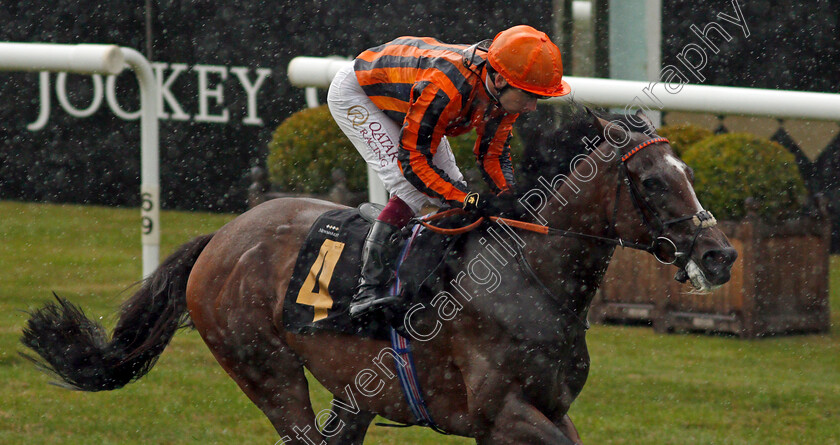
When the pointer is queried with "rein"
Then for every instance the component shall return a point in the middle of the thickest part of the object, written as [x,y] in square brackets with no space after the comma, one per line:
[702,219]
[531,227]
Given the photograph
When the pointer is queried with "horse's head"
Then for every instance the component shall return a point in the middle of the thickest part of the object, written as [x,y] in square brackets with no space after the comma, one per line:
[656,205]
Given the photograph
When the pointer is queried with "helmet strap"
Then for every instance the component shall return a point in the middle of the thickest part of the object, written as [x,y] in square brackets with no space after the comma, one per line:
[496,98]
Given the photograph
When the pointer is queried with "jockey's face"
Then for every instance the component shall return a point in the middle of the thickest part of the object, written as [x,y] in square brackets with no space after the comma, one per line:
[514,100]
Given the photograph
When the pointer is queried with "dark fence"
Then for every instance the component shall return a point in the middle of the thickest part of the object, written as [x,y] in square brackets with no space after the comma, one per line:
[779,284]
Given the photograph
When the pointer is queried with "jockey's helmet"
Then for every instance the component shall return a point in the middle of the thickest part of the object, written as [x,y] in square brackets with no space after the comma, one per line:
[527,59]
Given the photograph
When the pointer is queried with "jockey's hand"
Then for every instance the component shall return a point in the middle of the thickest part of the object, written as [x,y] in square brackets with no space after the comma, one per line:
[504,205]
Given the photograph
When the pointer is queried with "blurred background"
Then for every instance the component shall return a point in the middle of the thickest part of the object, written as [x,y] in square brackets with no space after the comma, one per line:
[210,139]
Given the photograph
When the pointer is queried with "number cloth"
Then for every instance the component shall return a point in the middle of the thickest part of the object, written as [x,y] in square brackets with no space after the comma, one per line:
[325,276]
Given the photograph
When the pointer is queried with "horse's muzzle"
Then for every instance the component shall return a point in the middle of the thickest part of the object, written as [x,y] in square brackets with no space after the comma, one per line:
[717,263]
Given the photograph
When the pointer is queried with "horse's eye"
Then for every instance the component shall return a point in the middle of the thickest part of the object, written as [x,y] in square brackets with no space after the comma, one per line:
[655,185]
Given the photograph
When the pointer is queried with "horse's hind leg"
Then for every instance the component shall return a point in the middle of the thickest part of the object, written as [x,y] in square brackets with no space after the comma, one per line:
[276,383]
[347,428]
[273,378]
[237,328]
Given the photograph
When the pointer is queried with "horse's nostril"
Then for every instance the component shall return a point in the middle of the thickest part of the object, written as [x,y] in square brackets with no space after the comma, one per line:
[718,260]
[730,255]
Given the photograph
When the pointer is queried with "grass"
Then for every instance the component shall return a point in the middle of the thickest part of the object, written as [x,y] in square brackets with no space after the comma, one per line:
[644,388]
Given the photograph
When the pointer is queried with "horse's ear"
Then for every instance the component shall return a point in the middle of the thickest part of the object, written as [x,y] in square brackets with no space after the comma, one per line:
[616,132]
[600,124]
[640,115]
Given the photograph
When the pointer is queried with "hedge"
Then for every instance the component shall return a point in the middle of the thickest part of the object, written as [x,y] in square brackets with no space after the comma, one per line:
[306,148]
[682,136]
[729,168]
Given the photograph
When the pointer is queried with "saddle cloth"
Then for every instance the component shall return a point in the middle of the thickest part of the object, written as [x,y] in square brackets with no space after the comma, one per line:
[327,271]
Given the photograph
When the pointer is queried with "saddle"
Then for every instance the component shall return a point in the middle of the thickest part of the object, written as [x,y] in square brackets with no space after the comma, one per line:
[329,264]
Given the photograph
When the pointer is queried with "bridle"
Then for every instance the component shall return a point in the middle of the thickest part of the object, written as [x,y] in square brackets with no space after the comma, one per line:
[656,226]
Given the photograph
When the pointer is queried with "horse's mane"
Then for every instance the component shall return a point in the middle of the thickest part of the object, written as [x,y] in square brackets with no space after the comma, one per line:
[553,152]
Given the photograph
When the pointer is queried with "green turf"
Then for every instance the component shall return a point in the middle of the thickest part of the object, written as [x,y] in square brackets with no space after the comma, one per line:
[644,388]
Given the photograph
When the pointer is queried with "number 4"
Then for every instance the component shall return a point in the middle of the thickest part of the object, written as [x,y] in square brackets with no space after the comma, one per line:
[315,290]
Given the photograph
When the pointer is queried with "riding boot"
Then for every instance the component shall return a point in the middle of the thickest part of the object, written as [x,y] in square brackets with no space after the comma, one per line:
[378,258]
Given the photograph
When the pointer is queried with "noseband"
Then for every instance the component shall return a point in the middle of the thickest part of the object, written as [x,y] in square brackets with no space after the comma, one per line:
[656,226]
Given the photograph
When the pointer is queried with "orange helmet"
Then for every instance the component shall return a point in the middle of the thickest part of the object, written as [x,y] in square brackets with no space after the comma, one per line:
[528,60]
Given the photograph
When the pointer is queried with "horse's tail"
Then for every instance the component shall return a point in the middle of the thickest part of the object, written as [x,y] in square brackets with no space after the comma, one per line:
[78,351]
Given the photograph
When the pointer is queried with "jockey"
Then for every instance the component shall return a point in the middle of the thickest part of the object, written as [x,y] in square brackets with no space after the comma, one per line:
[399,101]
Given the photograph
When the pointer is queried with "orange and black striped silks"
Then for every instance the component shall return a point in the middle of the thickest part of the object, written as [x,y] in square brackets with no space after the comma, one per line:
[437,89]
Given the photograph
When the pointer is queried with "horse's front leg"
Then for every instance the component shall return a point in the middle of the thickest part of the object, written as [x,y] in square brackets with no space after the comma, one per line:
[576,373]
[347,428]
[518,422]
[568,428]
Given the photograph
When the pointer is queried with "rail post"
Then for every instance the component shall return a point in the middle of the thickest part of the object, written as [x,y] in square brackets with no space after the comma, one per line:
[108,60]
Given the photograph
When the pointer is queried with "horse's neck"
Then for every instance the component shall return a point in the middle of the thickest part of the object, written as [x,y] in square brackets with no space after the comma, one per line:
[571,267]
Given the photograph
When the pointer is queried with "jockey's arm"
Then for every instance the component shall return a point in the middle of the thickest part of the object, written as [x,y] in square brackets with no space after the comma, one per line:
[429,113]
[492,150]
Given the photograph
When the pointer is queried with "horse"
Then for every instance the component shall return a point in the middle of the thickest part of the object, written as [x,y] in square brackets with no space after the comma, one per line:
[501,350]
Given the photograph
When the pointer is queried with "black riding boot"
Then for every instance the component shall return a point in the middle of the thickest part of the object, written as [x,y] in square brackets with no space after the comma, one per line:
[378,257]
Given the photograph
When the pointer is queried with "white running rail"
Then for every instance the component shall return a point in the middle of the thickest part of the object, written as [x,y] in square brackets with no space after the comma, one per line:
[319,71]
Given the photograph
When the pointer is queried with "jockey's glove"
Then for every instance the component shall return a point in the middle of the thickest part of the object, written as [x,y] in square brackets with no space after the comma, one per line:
[505,205]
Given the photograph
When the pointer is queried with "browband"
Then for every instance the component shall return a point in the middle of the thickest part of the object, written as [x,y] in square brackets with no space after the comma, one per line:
[641,146]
